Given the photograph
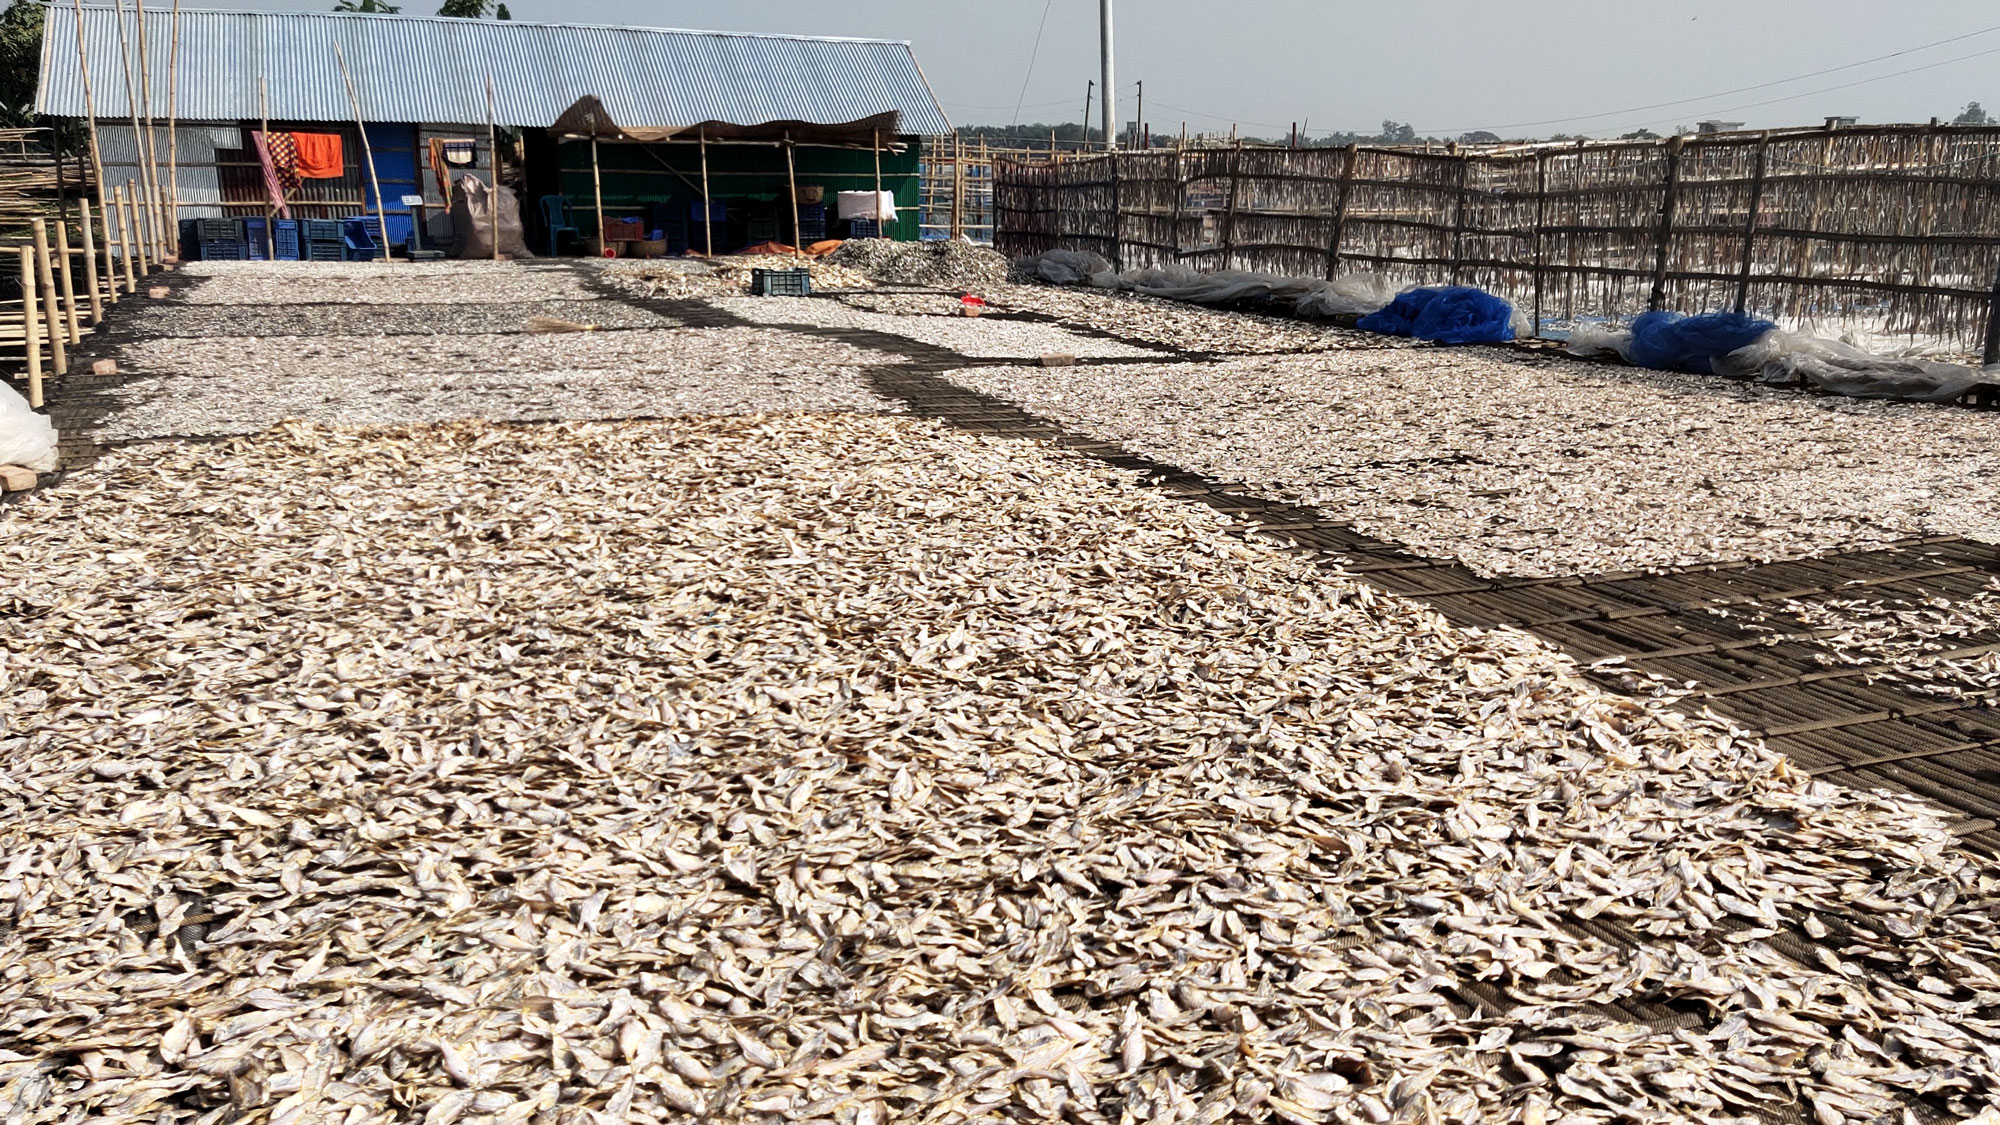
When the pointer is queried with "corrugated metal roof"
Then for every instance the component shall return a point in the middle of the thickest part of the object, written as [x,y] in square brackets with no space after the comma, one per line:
[432,69]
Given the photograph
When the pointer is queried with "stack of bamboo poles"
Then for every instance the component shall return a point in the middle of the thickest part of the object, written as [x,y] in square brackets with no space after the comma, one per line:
[66,283]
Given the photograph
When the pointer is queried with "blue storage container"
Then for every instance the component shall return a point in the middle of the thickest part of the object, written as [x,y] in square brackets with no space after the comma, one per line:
[223,250]
[256,244]
[359,241]
[863,228]
[286,233]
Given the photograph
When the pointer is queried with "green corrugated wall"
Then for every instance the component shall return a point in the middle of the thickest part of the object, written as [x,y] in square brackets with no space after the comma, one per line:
[635,175]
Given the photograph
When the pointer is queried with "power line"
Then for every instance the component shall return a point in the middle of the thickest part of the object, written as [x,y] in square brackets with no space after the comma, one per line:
[1843,85]
[1215,117]
[1744,89]
[1032,55]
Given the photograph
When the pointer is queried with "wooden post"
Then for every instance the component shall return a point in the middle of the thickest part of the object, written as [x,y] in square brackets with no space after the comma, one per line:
[51,303]
[127,237]
[1117,213]
[144,190]
[1458,214]
[96,167]
[1348,161]
[1666,230]
[957,183]
[156,214]
[493,151]
[1991,354]
[90,262]
[1750,224]
[368,152]
[31,326]
[708,209]
[68,282]
[173,118]
[141,231]
[876,134]
[1541,204]
[792,178]
[1229,212]
[270,210]
[597,189]
[1180,194]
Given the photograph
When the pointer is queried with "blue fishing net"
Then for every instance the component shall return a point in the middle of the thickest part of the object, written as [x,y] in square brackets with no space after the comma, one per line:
[1454,314]
[1669,341]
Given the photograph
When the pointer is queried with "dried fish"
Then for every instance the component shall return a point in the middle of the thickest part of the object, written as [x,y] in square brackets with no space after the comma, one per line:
[846,767]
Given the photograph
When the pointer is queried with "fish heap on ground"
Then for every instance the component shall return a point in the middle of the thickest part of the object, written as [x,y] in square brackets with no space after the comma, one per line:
[1935,646]
[849,769]
[1530,465]
[720,277]
[971,338]
[938,264]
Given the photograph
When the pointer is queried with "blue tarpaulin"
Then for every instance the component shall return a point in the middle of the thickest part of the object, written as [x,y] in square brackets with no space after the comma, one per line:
[1454,314]
[1668,341]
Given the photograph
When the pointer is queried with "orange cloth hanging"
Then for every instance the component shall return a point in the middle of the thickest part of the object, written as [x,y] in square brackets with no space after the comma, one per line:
[319,156]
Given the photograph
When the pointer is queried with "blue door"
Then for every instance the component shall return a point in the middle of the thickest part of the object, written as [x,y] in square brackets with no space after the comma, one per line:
[395,149]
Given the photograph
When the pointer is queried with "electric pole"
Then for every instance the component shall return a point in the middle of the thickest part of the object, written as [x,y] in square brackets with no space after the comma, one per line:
[1110,75]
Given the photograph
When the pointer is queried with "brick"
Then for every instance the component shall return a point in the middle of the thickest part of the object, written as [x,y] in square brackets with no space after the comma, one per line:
[14,478]
[159,292]
[104,367]
[1058,359]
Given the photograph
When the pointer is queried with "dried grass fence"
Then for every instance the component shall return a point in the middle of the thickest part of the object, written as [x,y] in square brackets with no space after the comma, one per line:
[1891,228]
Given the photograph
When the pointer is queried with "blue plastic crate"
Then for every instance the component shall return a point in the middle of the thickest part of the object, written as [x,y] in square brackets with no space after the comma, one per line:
[286,233]
[223,250]
[863,228]
[359,241]
[812,213]
[811,230]
[256,243]
[190,240]
[781,283]
[717,212]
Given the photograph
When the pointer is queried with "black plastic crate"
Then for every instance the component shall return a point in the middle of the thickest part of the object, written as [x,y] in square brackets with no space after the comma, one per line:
[320,250]
[219,230]
[811,230]
[320,230]
[781,283]
[863,228]
[812,213]
[763,230]
[223,250]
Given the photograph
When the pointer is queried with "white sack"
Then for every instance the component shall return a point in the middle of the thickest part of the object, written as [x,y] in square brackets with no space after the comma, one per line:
[27,439]
[879,206]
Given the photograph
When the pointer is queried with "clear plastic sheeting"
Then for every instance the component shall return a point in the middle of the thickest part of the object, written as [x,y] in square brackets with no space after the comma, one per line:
[1833,366]
[27,439]
[1842,369]
[1351,295]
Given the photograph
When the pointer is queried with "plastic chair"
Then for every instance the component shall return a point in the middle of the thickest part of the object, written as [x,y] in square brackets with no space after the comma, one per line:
[558,216]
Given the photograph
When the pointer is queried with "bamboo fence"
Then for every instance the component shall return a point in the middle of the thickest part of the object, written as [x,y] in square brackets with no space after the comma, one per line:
[1891,228]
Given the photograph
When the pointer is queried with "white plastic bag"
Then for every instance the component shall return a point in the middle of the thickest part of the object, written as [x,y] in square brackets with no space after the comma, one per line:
[1843,369]
[27,439]
[1600,339]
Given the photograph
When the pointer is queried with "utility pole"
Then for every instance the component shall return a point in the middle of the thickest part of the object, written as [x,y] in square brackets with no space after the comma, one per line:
[1140,113]
[1110,74]
[1084,144]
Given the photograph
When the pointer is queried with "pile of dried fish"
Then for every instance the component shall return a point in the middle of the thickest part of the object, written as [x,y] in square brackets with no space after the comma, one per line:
[722,277]
[475,318]
[846,769]
[202,387]
[974,338]
[1933,646]
[373,283]
[939,264]
[1520,465]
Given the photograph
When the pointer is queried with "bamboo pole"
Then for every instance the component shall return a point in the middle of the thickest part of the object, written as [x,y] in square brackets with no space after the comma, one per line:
[31,326]
[957,185]
[126,243]
[96,162]
[368,153]
[90,262]
[876,141]
[51,302]
[597,189]
[132,110]
[173,124]
[1348,161]
[141,232]
[270,211]
[68,280]
[1750,224]
[157,214]
[493,153]
[1664,238]
[707,208]
[792,178]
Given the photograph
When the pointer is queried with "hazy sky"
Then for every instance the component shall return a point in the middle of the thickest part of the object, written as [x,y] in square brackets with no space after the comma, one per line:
[1533,67]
